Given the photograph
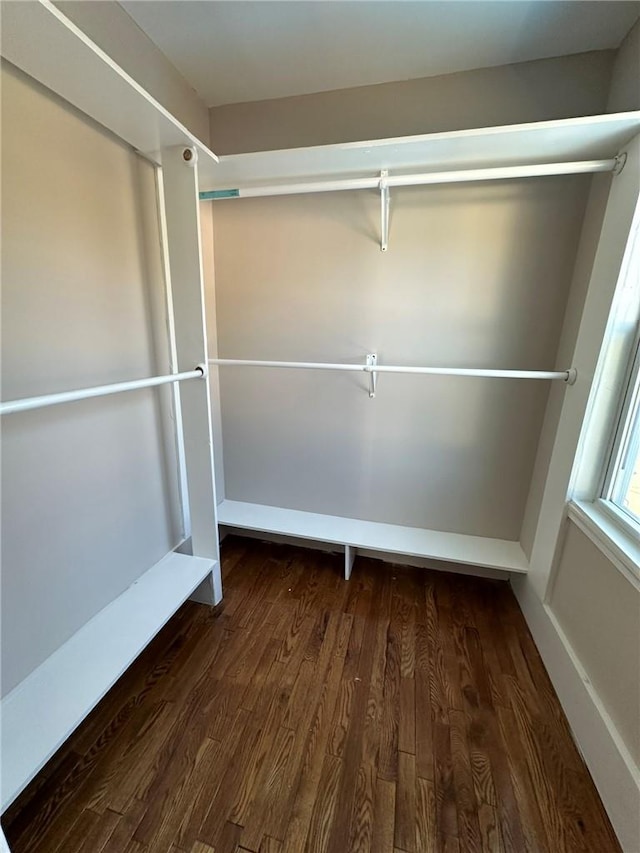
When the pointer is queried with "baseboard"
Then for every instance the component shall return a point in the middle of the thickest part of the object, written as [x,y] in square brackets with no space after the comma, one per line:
[613,770]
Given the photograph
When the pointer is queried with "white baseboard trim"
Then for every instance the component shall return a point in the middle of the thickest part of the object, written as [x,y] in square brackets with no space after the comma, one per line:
[613,770]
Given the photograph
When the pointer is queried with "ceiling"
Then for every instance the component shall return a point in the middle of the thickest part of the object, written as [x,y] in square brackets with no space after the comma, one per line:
[252,50]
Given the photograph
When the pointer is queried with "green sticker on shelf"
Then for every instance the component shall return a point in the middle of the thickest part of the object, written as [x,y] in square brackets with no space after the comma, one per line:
[211,194]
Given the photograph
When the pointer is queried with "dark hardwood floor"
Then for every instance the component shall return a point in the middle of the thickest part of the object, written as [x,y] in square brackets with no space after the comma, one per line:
[402,711]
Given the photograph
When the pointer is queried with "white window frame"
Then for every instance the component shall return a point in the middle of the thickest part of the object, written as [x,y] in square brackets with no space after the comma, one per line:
[615,393]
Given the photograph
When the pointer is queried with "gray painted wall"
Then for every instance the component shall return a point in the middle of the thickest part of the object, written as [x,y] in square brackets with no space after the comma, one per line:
[624,93]
[474,275]
[527,91]
[86,503]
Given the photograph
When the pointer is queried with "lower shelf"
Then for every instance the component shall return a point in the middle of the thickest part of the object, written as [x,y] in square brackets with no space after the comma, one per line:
[43,710]
[498,554]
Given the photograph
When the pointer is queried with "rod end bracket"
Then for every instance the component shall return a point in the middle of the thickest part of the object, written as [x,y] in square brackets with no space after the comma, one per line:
[372,360]
[572,375]
[620,161]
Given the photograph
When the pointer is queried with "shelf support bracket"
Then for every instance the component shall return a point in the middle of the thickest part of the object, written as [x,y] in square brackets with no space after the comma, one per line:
[372,360]
[384,210]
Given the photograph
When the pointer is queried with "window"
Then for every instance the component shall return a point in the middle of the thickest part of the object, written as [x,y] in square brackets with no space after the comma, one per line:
[621,486]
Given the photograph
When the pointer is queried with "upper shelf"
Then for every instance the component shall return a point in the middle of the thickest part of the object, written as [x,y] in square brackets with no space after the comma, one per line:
[42,42]
[566,140]
[46,45]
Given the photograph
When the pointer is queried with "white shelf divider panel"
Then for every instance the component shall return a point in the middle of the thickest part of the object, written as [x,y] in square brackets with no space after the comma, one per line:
[392,538]
[564,140]
[44,709]
[41,41]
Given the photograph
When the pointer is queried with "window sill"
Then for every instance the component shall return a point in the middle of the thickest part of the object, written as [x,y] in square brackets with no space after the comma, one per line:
[608,536]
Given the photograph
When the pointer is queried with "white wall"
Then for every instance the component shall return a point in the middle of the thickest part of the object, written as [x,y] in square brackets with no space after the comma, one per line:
[86,506]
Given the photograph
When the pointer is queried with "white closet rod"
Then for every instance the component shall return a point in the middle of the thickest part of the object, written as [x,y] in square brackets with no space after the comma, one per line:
[566,375]
[377,181]
[27,403]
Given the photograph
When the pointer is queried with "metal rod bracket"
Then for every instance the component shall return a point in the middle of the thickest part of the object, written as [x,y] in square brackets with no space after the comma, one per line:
[372,360]
[572,375]
[204,370]
[620,161]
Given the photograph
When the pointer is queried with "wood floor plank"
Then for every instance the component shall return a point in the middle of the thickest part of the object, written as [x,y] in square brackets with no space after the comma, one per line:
[125,827]
[406,821]
[354,746]
[324,806]
[405,711]
[444,783]
[388,760]
[423,710]
[468,826]
[362,817]
[199,847]
[270,845]
[300,714]
[407,716]
[385,816]
[213,781]
[316,746]
[426,833]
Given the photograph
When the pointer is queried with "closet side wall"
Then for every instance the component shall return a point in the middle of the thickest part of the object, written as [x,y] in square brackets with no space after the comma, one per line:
[85,503]
[587,625]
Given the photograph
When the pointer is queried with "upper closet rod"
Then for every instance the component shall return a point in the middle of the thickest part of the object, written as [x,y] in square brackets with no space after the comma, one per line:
[567,375]
[98,391]
[458,176]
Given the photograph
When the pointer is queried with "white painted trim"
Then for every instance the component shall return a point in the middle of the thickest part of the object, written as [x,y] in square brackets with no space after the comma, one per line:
[178,434]
[179,198]
[609,257]
[620,549]
[40,713]
[614,772]
[390,538]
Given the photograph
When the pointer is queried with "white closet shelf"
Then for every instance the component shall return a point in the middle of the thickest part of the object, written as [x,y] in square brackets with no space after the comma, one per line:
[44,709]
[564,140]
[498,554]
[41,41]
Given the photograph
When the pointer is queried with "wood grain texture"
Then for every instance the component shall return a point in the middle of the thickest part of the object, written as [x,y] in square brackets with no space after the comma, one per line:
[404,711]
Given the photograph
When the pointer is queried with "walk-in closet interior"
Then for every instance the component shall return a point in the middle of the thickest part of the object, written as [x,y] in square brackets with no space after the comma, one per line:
[377,322]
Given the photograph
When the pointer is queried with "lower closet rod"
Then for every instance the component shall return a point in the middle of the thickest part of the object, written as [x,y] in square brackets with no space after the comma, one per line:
[27,403]
[566,375]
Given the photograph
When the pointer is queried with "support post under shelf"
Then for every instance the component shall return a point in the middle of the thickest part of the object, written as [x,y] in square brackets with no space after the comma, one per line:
[349,557]
[179,197]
